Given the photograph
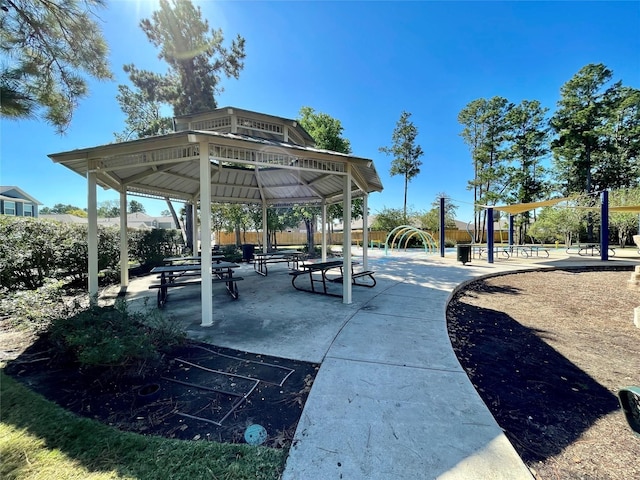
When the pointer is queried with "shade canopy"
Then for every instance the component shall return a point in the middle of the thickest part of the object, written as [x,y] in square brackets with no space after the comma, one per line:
[525,207]
[255,158]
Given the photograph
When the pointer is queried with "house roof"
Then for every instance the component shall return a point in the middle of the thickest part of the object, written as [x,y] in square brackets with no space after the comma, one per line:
[244,168]
[134,220]
[13,193]
[63,217]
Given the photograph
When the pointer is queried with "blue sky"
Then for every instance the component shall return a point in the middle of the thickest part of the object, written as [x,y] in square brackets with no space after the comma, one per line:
[362,63]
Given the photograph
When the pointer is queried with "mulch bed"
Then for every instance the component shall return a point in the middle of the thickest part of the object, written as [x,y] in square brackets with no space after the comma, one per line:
[547,352]
[197,392]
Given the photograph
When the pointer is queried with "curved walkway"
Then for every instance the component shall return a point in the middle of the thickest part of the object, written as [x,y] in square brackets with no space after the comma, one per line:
[390,400]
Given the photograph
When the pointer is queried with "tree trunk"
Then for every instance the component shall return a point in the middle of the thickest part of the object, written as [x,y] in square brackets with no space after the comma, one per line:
[188,225]
[176,220]
[238,239]
[308,223]
[406,185]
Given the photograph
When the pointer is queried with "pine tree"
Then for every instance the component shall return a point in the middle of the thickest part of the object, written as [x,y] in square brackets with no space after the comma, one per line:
[406,154]
[51,49]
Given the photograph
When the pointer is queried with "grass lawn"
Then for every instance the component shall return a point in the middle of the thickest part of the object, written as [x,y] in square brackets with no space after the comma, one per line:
[39,440]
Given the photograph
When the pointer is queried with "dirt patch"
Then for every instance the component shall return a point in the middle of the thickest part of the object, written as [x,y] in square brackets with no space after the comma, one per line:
[196,392]
[547,352]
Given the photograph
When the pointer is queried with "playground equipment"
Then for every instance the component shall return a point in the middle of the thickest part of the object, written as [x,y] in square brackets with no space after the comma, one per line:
[406,232]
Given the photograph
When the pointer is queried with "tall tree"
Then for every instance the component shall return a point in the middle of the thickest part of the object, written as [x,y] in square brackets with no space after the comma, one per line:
[527,135]
[584,145]
[406,154]
[196,59]
[50,50]
[579,122]
[619,163]
[195,55]
[484,132]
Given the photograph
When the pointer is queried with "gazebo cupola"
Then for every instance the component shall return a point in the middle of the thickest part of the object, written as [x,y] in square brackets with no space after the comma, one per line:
[246,123]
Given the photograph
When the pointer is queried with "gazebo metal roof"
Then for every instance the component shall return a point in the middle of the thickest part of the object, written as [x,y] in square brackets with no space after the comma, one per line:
[244,169]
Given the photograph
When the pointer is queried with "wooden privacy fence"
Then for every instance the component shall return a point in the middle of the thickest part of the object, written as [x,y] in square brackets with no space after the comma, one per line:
[377,237]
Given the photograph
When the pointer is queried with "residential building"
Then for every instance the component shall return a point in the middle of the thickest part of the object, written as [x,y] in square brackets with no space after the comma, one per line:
[15,201]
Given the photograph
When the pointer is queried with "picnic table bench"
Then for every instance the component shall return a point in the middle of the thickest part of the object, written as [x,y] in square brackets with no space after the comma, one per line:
[320,269]
[185,275]
[261,260]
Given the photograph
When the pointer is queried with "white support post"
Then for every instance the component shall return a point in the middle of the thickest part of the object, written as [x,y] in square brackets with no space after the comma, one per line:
[92,240]
[205,240]
[265,230]
[324,231]
[124,243]
[365,232]
[346,237]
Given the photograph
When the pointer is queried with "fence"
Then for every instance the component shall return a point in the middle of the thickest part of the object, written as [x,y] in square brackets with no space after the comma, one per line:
[452,236]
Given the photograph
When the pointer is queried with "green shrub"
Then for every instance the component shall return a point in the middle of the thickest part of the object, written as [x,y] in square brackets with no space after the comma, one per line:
[27,252]
[232,253]
[34,249]
[149,247]
[113,336]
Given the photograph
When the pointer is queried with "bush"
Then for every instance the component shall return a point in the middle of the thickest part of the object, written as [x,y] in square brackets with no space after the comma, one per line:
[112,336]
[28,251]
[149,247]
[232,253]
[33,250]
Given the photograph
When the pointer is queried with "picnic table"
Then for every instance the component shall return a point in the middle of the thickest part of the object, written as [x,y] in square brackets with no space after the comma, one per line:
[262,259]
[531,250]
[589,249]
[481,250]
[190,274]
[320,269]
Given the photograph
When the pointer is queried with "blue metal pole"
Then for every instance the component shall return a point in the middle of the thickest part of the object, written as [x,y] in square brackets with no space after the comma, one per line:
[604,226]
[442,226]
[490,235]
[511,222]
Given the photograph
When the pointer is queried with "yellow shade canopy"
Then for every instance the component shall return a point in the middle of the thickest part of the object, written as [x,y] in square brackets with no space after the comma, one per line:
[524,207]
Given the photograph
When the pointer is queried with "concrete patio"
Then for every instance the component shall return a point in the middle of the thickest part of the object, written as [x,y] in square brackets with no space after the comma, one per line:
[390,399]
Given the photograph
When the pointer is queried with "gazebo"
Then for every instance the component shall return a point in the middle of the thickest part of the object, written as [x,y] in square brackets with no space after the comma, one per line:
[226,155]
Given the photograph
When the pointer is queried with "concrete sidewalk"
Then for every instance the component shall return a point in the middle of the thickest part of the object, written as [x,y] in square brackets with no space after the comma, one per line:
[390,400]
